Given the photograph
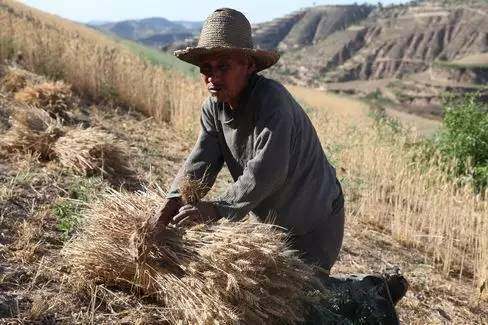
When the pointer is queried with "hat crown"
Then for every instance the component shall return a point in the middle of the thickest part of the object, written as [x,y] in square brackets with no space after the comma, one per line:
[226,27]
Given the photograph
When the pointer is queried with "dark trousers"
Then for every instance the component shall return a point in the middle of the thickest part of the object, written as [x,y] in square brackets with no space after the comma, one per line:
[321,246]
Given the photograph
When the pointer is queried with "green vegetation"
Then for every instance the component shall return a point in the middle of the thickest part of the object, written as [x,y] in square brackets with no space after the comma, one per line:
[451,65]
[464,138]
[157,57]
[68,210]
[376,99]
[386,127]
[460,148]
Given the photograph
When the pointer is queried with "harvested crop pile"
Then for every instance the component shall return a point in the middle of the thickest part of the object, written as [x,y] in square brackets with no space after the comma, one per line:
[32,131]
[222,272]
[91,151]
[54,97]
[4,116]
[16,79]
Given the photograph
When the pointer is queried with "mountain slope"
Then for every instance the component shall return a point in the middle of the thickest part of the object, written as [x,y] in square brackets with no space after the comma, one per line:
[410,53]
[419,51]
[154,31]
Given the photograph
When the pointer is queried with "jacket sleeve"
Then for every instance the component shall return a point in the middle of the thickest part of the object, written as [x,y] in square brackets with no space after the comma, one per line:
[206,159]
[266,171]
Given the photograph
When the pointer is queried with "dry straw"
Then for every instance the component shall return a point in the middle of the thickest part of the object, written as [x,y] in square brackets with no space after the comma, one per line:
[91,151]
[95,65]
[217,273]
[32,131]
[419,204]
[54,97]
[16,79]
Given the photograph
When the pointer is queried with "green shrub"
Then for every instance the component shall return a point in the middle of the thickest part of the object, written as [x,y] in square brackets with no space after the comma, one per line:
[387,127]
[464,138]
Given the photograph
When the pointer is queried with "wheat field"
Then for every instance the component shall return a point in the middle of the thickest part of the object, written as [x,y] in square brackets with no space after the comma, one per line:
[416,203]
[93,64]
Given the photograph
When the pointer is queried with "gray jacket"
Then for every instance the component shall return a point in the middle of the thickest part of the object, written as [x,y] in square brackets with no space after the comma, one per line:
[274,155]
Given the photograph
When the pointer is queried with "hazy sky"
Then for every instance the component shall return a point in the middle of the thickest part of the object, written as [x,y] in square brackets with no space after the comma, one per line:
[197,10]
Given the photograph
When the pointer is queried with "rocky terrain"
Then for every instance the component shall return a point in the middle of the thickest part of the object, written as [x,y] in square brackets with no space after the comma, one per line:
[409,55]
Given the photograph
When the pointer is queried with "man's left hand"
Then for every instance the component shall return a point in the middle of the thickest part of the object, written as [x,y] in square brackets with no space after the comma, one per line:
[198,213]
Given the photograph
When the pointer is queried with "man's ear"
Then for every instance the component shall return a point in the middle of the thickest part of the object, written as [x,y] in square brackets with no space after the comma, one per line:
[251,65]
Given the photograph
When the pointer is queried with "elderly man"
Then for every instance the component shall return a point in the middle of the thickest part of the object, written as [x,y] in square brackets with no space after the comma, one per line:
[254,126]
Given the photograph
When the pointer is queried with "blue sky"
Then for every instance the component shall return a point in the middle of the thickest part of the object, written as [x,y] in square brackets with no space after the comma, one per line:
[196,10]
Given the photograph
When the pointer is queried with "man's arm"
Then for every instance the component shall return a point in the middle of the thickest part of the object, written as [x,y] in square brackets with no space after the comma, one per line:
[204,163]
[206,159]
[266,172]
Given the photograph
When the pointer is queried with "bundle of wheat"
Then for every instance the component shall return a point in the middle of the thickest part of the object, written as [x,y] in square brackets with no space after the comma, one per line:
[91,151]
[54,97]
[16,79]
[224,272]
[32,131]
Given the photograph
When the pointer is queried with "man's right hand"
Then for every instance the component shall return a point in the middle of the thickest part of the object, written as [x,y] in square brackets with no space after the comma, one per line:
[162,217]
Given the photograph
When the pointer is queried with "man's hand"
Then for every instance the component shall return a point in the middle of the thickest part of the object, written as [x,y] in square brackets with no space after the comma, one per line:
[198,213]
[163,216]
[151,230]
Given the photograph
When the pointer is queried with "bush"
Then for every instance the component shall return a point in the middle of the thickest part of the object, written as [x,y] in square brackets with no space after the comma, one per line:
[464,138]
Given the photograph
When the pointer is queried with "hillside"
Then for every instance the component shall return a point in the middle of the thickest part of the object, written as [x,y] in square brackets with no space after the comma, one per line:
[405,52]
[155,32]
[409,54]
[400,211]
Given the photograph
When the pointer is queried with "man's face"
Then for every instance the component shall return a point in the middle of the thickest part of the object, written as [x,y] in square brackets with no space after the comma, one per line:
[226,76]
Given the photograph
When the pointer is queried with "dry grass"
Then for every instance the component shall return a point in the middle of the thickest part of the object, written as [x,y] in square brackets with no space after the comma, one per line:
[27,246]
[32,131]
[415,202]
[91,151]
[224,272]
[54,97]
[16,79]
[192,190]
[95,65]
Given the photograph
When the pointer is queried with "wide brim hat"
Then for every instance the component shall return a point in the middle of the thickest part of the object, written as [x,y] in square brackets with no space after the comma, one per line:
[227,31]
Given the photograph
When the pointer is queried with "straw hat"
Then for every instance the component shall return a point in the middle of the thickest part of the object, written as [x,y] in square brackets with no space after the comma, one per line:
[227,31]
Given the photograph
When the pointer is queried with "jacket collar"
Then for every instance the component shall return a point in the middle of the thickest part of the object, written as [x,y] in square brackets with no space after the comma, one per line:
[244,112]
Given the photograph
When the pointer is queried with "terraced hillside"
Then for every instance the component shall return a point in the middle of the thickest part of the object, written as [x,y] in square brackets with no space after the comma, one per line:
[409,54]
